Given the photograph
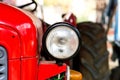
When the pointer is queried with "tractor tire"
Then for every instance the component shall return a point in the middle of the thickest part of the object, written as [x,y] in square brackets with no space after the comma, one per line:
[115,73]
[92,59]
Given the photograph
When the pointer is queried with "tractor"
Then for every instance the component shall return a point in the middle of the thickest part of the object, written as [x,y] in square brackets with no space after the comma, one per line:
[23,43]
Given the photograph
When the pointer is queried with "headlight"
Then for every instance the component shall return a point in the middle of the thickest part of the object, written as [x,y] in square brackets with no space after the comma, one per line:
[61,41]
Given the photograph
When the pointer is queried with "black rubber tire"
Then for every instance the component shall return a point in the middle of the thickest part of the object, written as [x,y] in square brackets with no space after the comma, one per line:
[115,73]
[92,60]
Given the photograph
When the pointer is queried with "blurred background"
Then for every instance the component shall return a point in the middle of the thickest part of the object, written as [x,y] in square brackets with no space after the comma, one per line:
[85,10]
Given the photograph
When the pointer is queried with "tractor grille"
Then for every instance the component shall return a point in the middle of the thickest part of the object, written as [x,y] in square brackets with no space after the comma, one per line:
[3,64]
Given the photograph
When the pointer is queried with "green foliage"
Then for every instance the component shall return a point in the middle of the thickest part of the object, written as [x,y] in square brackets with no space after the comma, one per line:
[56,78]
[61,77]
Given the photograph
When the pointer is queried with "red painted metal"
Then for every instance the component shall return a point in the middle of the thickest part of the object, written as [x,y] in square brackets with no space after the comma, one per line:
[14,69]
[9,38]
[19,35]
[29,68]
[48,70]
[23,25]
[70,18]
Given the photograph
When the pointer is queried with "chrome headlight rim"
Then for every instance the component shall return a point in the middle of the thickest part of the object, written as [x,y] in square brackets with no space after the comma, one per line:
[44,45]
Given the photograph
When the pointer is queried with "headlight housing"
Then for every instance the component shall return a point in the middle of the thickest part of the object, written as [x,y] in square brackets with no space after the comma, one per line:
[61,41]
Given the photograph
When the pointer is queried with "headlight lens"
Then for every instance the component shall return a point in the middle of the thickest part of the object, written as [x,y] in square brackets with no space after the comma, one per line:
[62,41]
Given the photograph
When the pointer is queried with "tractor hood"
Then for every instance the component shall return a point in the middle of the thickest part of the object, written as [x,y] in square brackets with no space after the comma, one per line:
[26,27]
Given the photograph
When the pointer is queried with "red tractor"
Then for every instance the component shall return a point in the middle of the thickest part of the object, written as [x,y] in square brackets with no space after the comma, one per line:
[30,49]
[23,45]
